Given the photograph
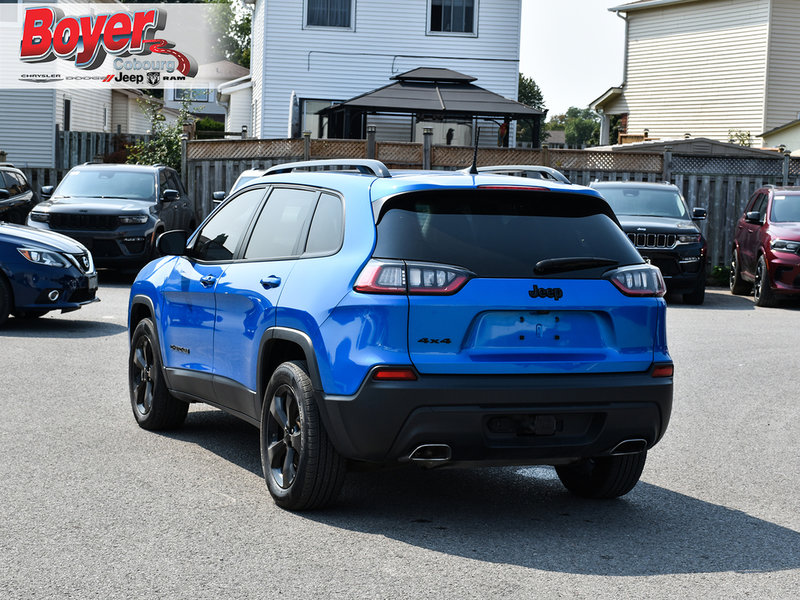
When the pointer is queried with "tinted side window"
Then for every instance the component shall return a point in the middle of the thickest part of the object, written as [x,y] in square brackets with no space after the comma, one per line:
[162,183]
[282,225]
[11,184]
[173,183]
[761,206]
[327,226]
[220,237]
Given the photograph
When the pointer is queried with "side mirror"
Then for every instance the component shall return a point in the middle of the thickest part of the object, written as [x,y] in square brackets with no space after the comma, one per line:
[699,214]
[218,197]
[4,194]
[172,243]
[170,195]
[753,217]
[47,190]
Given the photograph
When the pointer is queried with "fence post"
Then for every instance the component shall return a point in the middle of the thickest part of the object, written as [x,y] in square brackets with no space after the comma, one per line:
[667,173]
[427,140]
[306,145]
[371,130]
[546,155]
[785,171]
[184,161]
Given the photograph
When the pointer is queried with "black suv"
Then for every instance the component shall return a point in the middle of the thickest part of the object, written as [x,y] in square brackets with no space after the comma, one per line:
[657,220]
[116,211]
[16,196]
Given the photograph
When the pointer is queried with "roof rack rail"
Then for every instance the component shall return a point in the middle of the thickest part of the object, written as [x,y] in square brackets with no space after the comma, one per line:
[7,164]
[363,166]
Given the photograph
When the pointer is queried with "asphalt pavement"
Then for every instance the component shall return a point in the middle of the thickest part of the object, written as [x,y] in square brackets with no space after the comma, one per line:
[95,507]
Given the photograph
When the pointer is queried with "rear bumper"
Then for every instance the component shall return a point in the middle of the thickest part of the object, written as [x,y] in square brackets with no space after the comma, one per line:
[499,419]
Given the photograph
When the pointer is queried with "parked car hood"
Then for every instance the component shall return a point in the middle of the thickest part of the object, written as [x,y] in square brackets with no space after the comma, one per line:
[633,223]
[22,235]
[96,206]
[785,231]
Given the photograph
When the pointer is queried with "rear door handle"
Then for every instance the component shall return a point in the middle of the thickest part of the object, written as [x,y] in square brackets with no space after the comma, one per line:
[208,280]
[270,282]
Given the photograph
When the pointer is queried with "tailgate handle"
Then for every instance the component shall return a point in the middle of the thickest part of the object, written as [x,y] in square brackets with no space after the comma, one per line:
[270,282]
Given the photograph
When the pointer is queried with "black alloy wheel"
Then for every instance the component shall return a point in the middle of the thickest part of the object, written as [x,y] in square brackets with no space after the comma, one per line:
[153,406]
[301,467]
[6,300]
[284,432]
[762,291]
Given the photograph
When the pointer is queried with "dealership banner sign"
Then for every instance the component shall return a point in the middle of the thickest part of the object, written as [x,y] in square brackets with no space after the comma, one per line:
[102,46]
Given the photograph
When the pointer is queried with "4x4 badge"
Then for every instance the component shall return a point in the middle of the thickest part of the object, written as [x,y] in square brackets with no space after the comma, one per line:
[537,292]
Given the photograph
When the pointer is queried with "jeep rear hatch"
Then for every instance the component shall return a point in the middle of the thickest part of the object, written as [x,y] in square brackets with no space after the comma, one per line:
[514,282]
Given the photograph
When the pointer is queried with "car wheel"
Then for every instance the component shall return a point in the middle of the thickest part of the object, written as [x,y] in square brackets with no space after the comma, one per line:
[301,467]
[738,285]
[762,292]
[6,300]
[603,477]
[698,295]
[153,406]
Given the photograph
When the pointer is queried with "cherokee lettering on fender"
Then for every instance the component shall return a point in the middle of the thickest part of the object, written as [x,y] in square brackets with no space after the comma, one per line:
[554,293]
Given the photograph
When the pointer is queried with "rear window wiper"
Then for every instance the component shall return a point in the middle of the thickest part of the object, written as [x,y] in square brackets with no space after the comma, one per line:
[571,263]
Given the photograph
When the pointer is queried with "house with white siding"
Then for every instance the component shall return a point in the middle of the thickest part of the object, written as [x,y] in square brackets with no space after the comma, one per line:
[706,68]
[326,51]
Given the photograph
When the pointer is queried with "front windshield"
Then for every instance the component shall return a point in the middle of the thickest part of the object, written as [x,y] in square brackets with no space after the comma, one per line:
[646,202]
[108,183]
[786,209]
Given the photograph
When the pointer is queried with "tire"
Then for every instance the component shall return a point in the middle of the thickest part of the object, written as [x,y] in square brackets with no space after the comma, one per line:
[738,286]
[603,477]
[762,292]
[153,406]
[6,300]
[698,295]
[301,467]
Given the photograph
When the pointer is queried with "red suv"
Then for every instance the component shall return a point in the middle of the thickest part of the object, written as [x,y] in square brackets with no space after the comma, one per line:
[766,247]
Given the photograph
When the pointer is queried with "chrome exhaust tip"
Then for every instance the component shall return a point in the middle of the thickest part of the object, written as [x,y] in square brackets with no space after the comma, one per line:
[431,454]
[53,295]
[629,447]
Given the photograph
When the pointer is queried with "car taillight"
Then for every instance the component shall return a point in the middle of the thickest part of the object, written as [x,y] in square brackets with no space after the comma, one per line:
[394,374]
[400,277]
[663,371]
[638,280]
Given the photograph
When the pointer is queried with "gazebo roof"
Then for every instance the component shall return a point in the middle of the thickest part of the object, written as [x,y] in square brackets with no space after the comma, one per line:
[436,92]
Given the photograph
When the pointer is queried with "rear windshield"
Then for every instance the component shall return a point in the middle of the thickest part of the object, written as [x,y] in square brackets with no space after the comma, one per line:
[501,233]
[647,202]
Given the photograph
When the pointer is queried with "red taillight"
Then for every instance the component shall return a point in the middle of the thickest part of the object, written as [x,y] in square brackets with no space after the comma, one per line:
[400,277]
[638,280]
[394,374]
[663,371]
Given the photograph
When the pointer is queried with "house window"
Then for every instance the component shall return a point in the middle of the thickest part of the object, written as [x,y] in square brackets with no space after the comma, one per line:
[310,119]
[196,95]
[67,114]
[452,16]
[329,13]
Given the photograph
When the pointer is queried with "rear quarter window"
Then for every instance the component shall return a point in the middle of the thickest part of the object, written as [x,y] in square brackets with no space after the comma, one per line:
[498,233]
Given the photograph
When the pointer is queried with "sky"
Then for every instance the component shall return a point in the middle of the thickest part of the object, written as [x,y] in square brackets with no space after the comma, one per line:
[573,49]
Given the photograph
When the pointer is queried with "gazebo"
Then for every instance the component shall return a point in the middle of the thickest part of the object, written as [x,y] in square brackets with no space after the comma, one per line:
[429,94]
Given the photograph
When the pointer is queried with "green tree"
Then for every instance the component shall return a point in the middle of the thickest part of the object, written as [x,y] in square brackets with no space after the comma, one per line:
[530,95]
[581,126]
[231,21]
[164,145]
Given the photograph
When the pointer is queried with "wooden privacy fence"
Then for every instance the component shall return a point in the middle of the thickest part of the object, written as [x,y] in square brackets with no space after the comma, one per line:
[77,147]
[721,185]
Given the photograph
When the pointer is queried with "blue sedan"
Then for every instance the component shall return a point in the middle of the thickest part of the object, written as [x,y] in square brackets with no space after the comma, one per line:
[42,271]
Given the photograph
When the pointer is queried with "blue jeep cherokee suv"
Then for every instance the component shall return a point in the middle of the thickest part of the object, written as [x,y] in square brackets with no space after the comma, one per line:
[355,314]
